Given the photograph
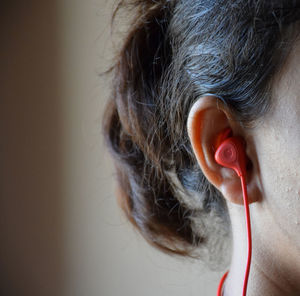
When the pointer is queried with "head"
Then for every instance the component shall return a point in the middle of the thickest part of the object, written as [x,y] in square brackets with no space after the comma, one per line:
[187,70]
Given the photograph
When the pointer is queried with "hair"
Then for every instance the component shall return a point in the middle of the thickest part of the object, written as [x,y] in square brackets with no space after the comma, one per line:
[175,52]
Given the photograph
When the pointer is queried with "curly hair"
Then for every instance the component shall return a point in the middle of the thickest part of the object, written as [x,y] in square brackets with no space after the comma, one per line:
[175,52]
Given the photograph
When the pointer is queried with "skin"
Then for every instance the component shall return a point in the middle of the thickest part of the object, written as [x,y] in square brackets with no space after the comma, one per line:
[273,184]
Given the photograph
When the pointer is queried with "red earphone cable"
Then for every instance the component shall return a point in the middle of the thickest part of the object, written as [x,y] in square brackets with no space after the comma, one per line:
[219,293]
[248,222]
[247,212]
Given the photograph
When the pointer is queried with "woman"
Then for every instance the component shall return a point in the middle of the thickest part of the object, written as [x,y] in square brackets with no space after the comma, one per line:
[187,71]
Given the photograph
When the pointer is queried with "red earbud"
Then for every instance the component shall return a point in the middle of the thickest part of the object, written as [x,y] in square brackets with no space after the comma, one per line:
[231,154]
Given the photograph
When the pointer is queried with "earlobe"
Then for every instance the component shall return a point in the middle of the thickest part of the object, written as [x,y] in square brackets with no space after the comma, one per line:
[209,123]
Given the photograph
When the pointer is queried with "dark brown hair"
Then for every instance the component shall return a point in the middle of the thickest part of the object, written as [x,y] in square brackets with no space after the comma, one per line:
[174,52]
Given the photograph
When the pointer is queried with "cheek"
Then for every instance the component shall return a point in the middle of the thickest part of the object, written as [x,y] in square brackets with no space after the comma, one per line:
[280,179]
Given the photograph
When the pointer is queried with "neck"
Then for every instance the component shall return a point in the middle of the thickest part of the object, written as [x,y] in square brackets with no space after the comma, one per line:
[274,270]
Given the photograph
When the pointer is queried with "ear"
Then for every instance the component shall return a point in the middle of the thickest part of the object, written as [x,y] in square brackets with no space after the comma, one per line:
[207,119]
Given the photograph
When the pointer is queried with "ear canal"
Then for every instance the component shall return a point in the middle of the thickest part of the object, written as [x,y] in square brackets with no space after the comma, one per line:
[231,154]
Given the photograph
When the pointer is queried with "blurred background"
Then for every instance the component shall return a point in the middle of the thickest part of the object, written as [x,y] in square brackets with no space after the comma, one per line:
[61,232]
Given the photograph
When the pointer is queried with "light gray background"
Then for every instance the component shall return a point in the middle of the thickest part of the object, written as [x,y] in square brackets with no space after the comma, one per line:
[61,230]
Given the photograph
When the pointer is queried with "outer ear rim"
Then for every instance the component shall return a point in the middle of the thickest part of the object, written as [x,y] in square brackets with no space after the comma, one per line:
[195,131]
